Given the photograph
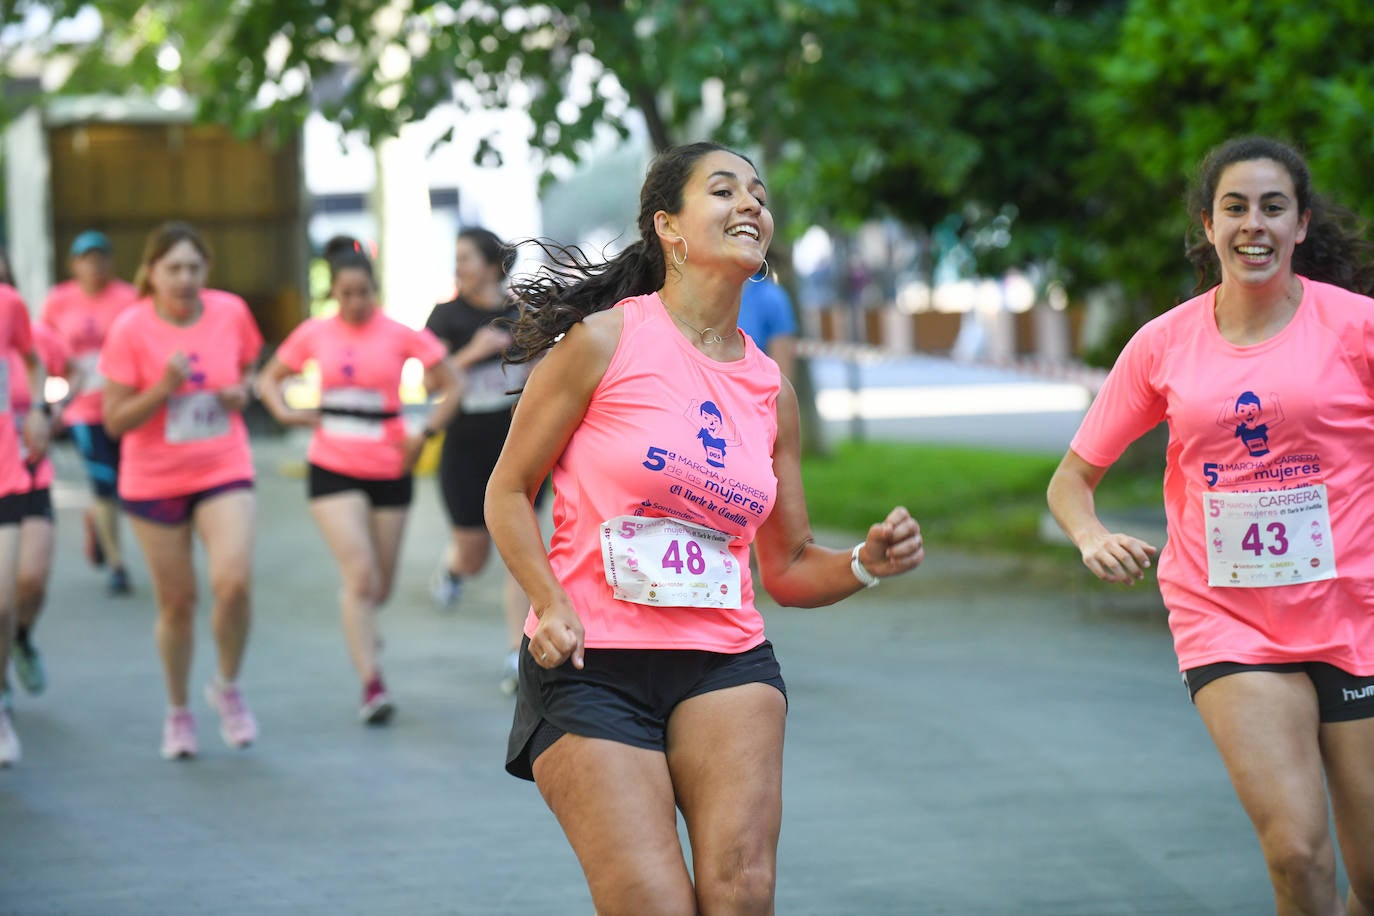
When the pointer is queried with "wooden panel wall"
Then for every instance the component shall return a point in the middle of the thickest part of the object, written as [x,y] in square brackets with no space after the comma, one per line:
[244,198]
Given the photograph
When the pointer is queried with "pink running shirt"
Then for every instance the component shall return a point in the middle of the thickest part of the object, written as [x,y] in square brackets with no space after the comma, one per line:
[53,352]
[1292,411]
[83,322]
[16,334]
[669,432]
[159,460]
[360,371]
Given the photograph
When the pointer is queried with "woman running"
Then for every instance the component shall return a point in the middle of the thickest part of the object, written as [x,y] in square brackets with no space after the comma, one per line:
[475,327]
[177,379]
[647,684]
[15,334]
[81,311]
[361,455]
[36,517]
[1266,380]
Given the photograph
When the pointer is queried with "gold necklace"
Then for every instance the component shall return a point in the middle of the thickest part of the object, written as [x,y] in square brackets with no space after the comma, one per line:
[708,336]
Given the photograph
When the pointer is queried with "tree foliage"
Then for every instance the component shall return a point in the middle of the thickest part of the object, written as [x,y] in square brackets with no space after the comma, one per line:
[1075,122]
[1185,75]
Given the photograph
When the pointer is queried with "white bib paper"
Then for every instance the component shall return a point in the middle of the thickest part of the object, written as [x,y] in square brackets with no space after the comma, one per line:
[4,386]
[351,427]
[485,386]
[668,562]
[1260,540]
[91,379]
[195,416]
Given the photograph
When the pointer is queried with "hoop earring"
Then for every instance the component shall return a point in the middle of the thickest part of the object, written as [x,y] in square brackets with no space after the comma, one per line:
[761,274]
[682,260]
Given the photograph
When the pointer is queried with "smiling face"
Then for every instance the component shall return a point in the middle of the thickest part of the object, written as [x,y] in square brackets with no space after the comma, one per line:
[724,216]
[1255,223]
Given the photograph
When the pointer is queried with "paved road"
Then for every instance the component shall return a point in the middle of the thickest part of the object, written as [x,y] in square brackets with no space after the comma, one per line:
[975,739]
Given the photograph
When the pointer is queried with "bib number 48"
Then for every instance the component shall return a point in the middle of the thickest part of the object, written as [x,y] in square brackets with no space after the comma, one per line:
[672,558]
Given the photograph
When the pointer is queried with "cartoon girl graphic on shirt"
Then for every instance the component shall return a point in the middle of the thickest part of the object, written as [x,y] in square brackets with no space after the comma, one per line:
[1251,422]
[714,431]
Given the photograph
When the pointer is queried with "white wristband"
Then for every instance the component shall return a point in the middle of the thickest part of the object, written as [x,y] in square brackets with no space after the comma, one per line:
[856,566]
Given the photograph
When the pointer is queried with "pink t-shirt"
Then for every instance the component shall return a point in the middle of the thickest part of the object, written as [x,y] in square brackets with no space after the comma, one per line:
[360,379]
[668,433]
[16,334]
[53,352]
[1294,411]
[189,444]
[82,322]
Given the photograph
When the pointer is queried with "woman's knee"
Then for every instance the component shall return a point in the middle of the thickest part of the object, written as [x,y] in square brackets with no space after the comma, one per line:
[743,880]
[231,589]
[1298,859]
[381,593]
[362,584]
[176,597]
[176,609]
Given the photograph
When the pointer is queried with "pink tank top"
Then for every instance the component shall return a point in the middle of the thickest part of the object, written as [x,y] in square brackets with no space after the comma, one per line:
[669,433]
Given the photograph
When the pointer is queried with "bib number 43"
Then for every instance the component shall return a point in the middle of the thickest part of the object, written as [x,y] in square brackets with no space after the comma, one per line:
[1255,543]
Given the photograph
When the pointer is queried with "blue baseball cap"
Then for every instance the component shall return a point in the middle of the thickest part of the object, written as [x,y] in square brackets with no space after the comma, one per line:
[88,241]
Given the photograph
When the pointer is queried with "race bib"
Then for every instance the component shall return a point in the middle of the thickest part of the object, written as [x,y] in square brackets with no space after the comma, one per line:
[485,386]
[1260,540]
[667,562]
[91,379]
[4,386]
[350,426]
[195,416]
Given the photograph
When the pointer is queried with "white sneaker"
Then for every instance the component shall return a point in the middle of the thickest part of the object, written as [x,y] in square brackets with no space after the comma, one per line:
[510,677]
[444,587]
[10,752]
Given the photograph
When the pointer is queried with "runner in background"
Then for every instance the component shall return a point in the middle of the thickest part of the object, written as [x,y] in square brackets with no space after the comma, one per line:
[15,334]
[475,327]
[81,311]
[177,380]
[765,314]
[36,524]
[361,454]
[1266,380]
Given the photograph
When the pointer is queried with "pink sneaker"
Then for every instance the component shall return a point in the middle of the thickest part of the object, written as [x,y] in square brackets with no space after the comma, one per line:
[237,726]
[179,736]
[9,741]
[376,708]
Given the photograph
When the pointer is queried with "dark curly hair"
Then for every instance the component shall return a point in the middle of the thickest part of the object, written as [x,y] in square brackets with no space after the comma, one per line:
[571,285]
[1335,250]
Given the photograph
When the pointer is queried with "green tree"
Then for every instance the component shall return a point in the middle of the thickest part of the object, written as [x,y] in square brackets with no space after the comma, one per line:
[1185,75]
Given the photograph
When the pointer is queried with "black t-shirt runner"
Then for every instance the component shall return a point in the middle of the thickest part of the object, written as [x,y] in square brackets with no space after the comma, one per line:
[488,383]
